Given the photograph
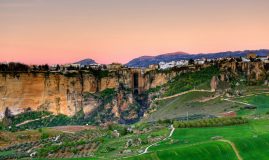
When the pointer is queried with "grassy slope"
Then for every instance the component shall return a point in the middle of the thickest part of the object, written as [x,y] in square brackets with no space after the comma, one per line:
[261,101]
[252,141]
[119,143]
[187,81]
[214,150]
[179,106]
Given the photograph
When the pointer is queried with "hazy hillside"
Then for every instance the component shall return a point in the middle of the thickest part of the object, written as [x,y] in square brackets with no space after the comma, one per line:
[145,61]
[87,61]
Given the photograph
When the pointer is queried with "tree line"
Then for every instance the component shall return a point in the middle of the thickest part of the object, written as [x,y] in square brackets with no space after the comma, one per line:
[20,67]
[213,122]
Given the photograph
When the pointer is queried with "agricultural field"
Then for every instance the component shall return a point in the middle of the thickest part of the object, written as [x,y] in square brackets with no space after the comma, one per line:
[60,142]
[214,150]
[251,142]
[248,140]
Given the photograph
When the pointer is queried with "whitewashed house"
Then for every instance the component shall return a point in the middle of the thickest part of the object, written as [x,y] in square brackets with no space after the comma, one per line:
[245,59]
[164,65]
[182,63]
[199,61]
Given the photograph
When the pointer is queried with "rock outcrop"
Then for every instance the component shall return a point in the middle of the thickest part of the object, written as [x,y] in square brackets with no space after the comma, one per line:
[64,94]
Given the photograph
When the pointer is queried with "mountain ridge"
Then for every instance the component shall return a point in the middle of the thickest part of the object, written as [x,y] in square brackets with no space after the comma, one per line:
[145,61]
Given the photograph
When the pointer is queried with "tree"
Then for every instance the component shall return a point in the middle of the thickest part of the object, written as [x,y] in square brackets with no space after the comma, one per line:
[46,67]
[191,61]
[7,120]
[58,67]
[8,113]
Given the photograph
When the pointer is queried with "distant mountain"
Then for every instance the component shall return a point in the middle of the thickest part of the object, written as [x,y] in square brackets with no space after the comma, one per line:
[145,61]
[86,62]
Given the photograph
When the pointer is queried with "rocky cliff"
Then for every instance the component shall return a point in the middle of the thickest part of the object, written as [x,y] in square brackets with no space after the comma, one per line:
[65,94]
[81,91]
[253,71]
[39,91]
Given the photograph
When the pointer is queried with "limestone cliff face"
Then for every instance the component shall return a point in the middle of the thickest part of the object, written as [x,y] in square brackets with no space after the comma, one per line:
[108,82]
[255,71]
[154,79]
[63,94]
[54,92]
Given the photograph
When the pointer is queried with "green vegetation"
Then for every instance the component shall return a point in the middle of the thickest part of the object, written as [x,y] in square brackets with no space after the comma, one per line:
[152,90]
[120,128]
[187,81]
[250,139]
[213,122]
[40,119]
[206,151]
[107,94]
[101,115]
[28,115]
[192,103]
[50,121]
[261,101]
[201,139]
[50,149]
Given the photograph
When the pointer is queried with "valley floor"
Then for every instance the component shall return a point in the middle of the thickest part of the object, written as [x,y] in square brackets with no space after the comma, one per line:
[152,139]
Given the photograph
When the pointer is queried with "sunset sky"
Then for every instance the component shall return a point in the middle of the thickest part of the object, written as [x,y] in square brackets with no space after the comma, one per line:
[63,31]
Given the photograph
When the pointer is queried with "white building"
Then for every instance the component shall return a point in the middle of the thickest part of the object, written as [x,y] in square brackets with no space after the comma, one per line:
[76,65]
[164,65]
[199,61]
[245,59]
[167,65]
[182,63]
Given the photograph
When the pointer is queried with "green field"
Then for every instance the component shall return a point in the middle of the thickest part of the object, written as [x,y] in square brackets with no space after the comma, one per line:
[251,140]
[214,150]
[261,101]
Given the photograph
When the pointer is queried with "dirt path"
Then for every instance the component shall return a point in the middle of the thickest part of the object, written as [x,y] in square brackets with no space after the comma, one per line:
[225,99]
[209,99]
[234,148]
[182,93]
[72,128]
[170,134]
[32,120]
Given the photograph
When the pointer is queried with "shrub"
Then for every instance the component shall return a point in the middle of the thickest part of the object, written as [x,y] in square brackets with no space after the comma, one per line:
[44,135]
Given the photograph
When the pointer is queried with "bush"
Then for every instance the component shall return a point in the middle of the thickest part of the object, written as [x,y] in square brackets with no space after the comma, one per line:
[29,115]
[44,135]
